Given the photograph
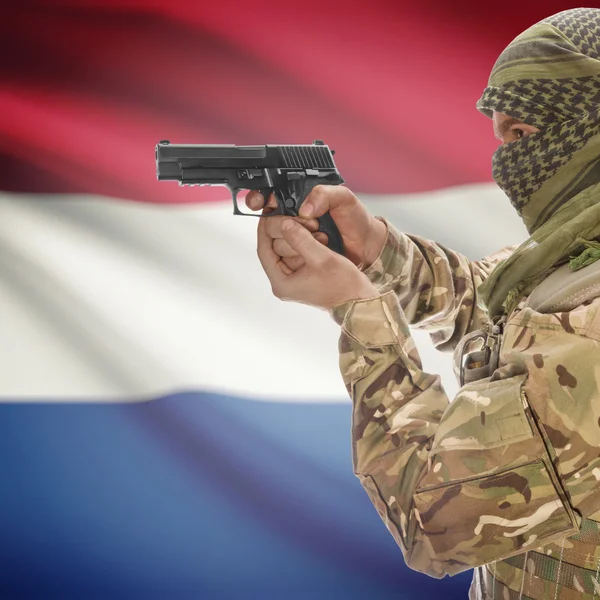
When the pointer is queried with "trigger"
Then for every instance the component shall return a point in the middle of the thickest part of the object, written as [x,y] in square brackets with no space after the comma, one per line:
[272,210]
[265,194]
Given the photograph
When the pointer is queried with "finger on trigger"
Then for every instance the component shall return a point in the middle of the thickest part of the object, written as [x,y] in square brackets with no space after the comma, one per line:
[254,200]
[321,237]
[272,203]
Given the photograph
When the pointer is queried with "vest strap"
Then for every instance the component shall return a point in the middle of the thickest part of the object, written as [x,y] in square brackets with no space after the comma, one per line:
[565,289]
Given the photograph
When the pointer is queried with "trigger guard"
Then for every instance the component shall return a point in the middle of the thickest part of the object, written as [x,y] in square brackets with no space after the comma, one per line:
[266,192]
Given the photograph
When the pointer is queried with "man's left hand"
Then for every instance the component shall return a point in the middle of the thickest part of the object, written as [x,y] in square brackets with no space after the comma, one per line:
[325,280]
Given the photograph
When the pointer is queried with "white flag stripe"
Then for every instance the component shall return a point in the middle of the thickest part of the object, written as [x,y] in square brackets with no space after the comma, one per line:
[111,300]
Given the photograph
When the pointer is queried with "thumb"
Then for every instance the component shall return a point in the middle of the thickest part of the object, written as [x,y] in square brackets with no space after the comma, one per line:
[302,241]
[324,198]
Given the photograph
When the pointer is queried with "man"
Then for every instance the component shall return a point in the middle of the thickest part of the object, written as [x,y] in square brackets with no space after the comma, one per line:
[505,478]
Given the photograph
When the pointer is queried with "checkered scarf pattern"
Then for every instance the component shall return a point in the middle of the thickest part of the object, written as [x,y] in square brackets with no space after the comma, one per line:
[548,77]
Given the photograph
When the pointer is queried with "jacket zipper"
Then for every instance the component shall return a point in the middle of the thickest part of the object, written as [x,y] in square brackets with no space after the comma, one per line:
[551,455]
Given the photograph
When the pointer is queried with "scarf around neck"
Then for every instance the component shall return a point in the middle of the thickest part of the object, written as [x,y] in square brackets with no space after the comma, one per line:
[548,77]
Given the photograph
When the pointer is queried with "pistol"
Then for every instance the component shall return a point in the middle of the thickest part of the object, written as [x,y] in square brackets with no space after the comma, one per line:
[288,172]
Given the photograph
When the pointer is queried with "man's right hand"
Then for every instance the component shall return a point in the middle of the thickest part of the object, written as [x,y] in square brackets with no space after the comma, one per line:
[363,235]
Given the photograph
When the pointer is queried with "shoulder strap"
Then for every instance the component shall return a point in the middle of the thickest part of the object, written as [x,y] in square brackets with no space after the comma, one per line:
[561,291]
[564,289]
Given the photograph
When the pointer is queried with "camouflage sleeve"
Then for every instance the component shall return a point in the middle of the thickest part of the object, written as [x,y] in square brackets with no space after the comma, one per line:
[436,287]
[457,484]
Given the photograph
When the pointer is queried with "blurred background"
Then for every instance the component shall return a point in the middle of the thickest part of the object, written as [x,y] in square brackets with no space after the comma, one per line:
[168,428]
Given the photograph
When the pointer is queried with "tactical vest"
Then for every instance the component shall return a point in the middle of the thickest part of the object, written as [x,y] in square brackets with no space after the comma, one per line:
[568,569]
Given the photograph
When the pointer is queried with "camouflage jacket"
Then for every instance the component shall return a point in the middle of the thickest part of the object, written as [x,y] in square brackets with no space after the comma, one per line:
[512,462]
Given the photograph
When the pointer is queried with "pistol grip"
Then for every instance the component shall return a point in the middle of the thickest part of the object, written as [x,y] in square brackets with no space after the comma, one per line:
[291,205]
[327,225]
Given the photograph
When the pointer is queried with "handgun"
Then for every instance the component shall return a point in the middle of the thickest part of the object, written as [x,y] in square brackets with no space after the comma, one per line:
[288,172]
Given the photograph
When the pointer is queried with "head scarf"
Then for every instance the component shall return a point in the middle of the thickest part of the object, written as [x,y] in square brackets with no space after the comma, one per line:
[548,77]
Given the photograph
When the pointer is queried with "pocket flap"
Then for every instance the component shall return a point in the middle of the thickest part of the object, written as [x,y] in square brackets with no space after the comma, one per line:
[484,414]
[474,522]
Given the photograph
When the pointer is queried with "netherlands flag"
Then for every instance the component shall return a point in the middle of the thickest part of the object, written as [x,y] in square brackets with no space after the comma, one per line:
[170,430]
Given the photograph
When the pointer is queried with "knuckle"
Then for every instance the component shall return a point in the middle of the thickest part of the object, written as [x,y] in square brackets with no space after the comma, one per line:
[283,249]
[347,195]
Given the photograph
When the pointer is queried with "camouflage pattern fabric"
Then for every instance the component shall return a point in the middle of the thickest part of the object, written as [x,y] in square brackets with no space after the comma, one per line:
[534,574]
[511,466]
[549,77]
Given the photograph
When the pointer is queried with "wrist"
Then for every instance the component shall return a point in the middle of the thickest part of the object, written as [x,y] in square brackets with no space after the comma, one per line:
[375,242]
[339,311]
[366,291]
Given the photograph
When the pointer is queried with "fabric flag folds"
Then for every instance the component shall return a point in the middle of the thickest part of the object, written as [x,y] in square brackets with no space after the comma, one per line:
[169,429]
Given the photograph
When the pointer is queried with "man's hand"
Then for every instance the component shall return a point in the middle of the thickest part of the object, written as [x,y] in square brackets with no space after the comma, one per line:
[363,235]
[325,278]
